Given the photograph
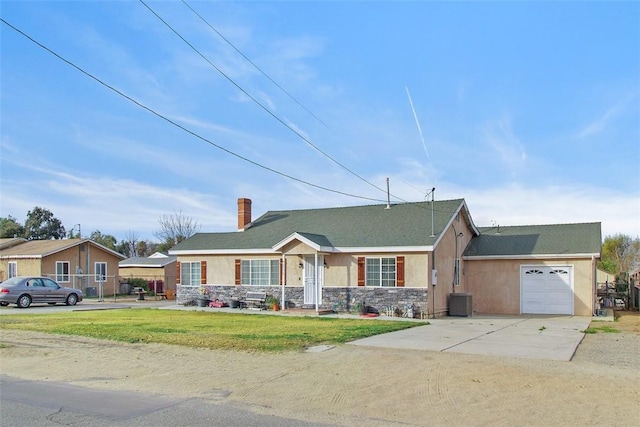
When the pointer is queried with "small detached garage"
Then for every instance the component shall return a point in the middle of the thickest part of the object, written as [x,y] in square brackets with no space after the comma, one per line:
[537,269]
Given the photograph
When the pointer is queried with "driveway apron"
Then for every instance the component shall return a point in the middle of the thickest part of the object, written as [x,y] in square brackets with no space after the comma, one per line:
[532,337]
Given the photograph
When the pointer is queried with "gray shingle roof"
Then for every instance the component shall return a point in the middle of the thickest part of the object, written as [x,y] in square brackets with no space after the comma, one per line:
[555,239]
[147,262]
[402,225]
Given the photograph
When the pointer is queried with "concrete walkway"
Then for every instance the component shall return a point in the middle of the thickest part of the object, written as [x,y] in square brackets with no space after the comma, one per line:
[534,337]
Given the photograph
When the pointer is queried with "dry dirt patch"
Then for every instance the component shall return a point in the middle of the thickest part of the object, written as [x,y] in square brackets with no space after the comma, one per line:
[349,385]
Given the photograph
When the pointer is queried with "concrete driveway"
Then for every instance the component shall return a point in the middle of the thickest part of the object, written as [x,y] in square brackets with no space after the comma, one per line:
[533,337]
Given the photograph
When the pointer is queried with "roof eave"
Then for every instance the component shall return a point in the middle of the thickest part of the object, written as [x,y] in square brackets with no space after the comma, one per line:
[531,256]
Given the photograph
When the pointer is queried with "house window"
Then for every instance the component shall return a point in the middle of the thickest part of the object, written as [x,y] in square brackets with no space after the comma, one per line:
[260,272]
[380,272]
[190,274]
[101,271]
[13,269]
[62,271]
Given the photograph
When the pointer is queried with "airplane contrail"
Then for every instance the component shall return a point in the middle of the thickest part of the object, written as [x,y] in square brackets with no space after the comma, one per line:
[424,145]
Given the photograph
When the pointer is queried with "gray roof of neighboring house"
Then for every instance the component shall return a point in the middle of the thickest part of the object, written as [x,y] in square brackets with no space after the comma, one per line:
[137,261]
[370,226]
[554,239]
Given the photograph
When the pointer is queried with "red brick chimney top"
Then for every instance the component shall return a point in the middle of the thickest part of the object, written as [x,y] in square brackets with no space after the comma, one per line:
[244,213]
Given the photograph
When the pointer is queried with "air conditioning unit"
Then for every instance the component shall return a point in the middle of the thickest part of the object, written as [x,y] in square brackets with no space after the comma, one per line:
[460,305]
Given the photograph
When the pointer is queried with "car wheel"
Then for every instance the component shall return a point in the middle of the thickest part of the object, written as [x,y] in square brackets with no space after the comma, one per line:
[4,304]
[24,301]
[72,299]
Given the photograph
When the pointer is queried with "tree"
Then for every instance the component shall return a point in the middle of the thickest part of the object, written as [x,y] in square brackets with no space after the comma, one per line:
[128,246]
[620,255]
[9,227]
[105,240]
[175,228]
[42,225]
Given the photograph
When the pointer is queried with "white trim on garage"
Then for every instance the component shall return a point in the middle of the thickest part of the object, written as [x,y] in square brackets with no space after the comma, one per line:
[546,289]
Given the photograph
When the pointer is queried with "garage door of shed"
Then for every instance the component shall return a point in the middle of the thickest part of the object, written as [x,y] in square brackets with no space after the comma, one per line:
[546,289]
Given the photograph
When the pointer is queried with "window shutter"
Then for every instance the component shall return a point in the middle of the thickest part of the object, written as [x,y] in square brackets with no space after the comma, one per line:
[203,272]
[400,271]
[361,271]
[238,271]
[282,264]
[178,272]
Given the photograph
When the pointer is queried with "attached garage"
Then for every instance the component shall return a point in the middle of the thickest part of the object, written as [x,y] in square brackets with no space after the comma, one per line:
[546,289]
[533,269]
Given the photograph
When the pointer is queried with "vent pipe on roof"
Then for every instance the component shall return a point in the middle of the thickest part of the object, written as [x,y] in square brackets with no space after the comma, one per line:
[388,196]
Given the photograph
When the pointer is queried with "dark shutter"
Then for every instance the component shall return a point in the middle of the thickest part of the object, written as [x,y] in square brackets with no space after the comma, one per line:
[178,281]
[238,271]
[400,271]
[361,271]
[282,264]
[203,272]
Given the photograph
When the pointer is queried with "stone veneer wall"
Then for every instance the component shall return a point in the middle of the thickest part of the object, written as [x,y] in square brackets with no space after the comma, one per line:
[338,299]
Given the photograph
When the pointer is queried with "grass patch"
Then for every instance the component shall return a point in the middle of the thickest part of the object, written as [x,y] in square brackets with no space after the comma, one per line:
[231,331]
[603,328]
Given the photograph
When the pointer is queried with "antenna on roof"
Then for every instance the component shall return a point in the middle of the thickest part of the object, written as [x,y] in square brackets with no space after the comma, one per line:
[432,192]
[388,196]
[495,224]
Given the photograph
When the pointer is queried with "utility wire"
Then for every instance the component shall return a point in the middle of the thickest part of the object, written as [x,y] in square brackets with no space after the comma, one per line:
[155,113]
[255,65]
[258,102]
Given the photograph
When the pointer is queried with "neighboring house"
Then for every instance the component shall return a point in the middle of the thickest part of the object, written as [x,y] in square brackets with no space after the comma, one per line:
[9,242]
[400,255]
[78,263]
[605,279]
[158,269]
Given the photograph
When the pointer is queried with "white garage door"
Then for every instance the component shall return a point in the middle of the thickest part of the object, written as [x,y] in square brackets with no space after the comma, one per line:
[546,289]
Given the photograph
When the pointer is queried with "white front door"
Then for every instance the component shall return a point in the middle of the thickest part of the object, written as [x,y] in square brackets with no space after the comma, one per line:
[313,279]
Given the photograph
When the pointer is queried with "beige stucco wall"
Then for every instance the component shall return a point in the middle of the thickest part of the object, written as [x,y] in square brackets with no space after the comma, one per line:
[495,284]
[341,270]
[445,255]
[167,274]
[25,267]
[85,261]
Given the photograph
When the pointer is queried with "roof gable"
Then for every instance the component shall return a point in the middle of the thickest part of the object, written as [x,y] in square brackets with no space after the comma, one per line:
[535,240]
[44,248]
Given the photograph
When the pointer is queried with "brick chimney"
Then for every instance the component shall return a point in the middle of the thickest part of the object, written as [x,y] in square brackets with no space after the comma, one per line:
[244,213]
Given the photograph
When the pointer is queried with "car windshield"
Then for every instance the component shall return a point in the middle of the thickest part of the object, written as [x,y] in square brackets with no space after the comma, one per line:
[11,282]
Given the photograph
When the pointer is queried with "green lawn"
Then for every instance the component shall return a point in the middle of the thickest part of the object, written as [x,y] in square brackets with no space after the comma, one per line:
[243,332]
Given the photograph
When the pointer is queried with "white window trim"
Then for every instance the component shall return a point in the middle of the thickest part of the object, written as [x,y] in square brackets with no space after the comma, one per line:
[379,285]
[97,277]
[60,277]
[190,285]
[12,269]
[271,262]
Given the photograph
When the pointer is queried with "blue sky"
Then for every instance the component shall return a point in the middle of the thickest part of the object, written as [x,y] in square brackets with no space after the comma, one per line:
[530,111]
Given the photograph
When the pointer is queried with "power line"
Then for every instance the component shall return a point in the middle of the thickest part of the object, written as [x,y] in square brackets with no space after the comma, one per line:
[258,102]
[159,115]
[255,65]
